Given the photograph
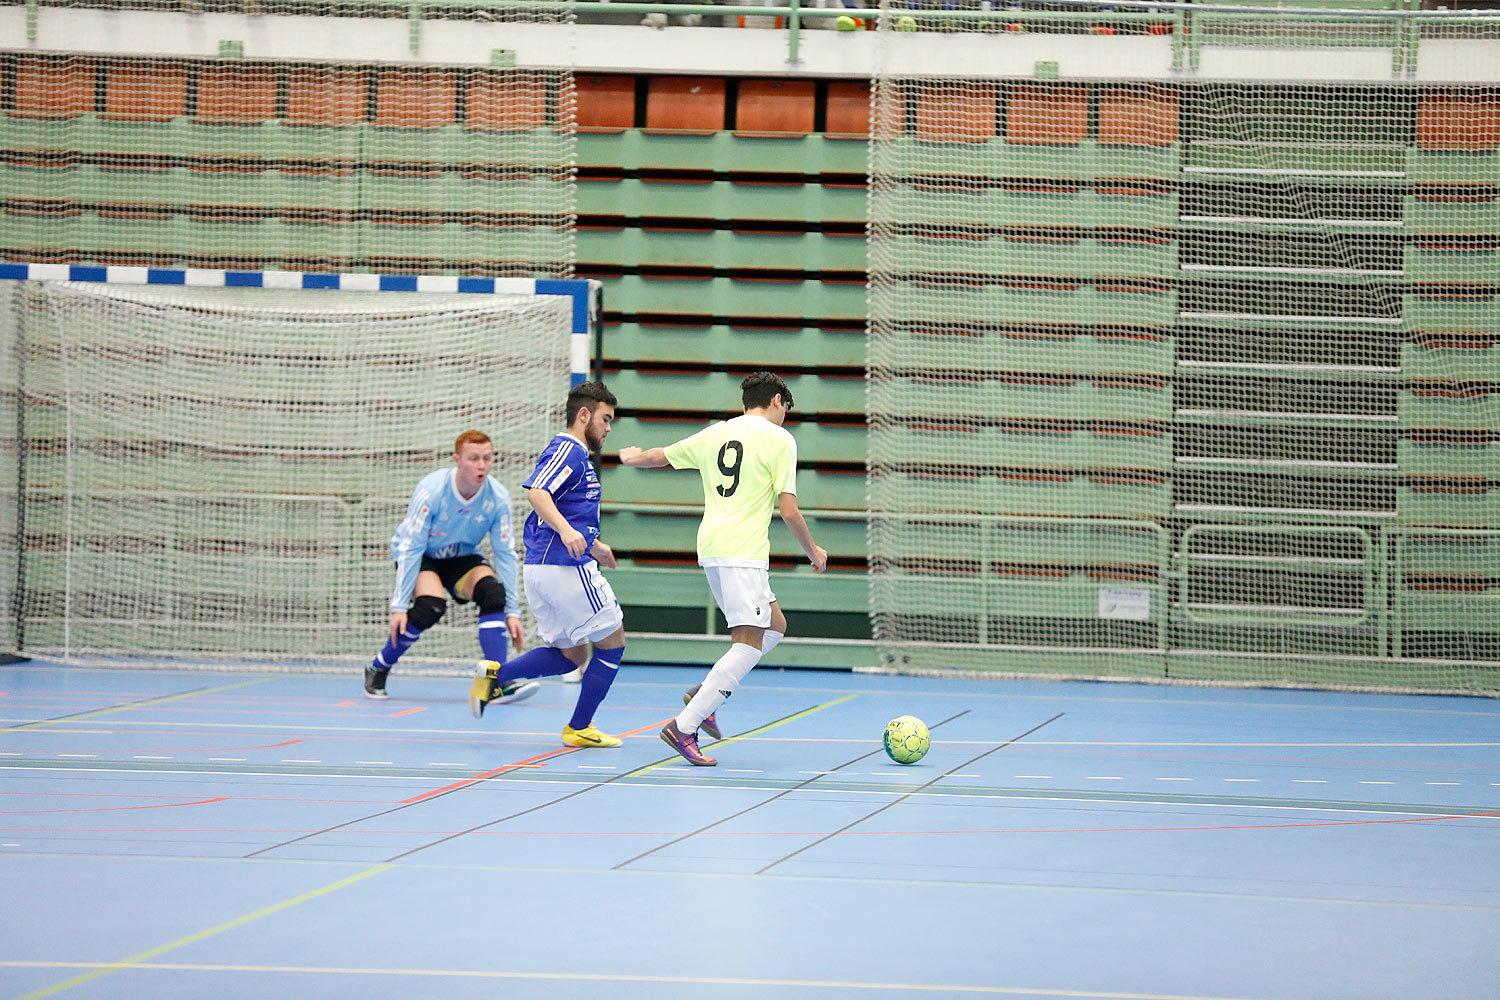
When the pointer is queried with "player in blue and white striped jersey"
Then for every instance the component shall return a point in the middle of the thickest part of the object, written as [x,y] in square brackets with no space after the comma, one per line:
[436,549]
[573,603]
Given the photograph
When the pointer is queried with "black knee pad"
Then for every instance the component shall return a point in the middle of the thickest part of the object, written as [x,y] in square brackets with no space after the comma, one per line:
[426,612]
[489,595]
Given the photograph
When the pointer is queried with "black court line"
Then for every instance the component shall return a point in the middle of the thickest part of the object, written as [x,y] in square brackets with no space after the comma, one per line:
[598,784]
[500,773]
[764,802]
[915,791]
[108,708]
[458,786]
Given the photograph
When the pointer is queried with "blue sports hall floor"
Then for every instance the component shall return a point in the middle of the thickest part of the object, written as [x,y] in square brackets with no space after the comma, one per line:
[228,835]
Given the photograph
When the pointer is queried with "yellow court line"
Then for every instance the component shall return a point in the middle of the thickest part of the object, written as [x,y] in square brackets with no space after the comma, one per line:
[135,961]
[731,739]
[136,704]
[604,977]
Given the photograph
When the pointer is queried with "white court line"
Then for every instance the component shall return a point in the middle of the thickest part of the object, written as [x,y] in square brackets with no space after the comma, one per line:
[1367,809]
[596,767]
[818,987]
[1242,779]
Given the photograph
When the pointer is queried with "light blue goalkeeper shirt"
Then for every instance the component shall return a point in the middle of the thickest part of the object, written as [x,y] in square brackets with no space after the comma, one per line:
[441,524]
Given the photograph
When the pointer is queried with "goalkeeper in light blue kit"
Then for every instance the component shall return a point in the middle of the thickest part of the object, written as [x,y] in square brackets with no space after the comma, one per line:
[436,549]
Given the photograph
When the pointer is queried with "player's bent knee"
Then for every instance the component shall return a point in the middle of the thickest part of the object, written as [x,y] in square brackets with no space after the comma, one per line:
[489,595]
[426,612]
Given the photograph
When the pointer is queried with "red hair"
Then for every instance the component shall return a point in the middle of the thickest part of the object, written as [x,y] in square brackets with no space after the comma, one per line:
[471,437]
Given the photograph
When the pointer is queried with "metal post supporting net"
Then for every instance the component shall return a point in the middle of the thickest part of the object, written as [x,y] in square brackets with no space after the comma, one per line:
[1184,380]
[216,473]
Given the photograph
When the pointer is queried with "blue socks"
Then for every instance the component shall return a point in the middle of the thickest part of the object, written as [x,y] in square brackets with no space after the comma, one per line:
[595,684]
[494,637]
[387,657]
[543,661]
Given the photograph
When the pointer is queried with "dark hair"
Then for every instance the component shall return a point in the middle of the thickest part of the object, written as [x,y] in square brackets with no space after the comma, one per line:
[759,387]
[589,394]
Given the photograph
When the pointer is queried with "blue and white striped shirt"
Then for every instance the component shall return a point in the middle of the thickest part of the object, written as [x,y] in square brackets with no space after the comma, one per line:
[564,470]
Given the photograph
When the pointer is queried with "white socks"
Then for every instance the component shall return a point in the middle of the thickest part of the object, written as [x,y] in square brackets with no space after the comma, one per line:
[722,681]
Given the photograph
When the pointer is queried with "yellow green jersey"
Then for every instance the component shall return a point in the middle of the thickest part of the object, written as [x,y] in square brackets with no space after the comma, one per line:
[746,464]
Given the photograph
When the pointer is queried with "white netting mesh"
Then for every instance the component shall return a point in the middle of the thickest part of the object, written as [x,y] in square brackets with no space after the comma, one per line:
[217,472]
[1185,380]
[10,478]
[300,166]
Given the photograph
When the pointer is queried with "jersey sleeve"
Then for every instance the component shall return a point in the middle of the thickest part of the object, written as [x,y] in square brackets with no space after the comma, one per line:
[688,453]
[785,470]
[410,544]
[555,469]
[503,549]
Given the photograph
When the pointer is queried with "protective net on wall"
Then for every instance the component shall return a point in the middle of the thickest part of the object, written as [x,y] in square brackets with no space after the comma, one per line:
[309,167]
[216,473]
[1192,381]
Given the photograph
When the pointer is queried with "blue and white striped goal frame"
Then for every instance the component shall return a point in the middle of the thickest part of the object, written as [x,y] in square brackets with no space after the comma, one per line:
[586,295]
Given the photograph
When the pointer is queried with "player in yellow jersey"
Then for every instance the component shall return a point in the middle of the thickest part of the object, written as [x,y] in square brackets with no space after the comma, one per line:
[749,467]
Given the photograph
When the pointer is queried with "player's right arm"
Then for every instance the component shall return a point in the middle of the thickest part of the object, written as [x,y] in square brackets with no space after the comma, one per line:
[650,458]
[546,509]
[408,546]
[791,515]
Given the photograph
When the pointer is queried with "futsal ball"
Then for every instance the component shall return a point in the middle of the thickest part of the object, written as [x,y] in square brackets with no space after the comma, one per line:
[906,24]
[906,739]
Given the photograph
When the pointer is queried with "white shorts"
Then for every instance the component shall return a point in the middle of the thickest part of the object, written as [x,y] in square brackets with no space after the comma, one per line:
[743,593]
[572,604]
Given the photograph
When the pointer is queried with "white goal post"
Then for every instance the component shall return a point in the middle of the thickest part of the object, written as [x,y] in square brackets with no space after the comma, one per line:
[201,466]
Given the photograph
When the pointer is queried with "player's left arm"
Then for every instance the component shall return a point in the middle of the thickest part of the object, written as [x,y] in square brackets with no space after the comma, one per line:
[791,514]
[503,551]
[649,458]
[603,554]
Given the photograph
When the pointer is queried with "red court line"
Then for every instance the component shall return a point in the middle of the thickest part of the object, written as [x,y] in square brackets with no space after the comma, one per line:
[226,798]
[409,711]
[160,805]
[263,746]
[529,762]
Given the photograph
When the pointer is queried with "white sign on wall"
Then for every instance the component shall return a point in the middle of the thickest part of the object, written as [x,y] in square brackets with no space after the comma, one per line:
[1125,602]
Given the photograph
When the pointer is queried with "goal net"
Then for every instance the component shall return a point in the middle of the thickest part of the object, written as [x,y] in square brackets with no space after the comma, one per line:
[215,473]
[1185,380]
